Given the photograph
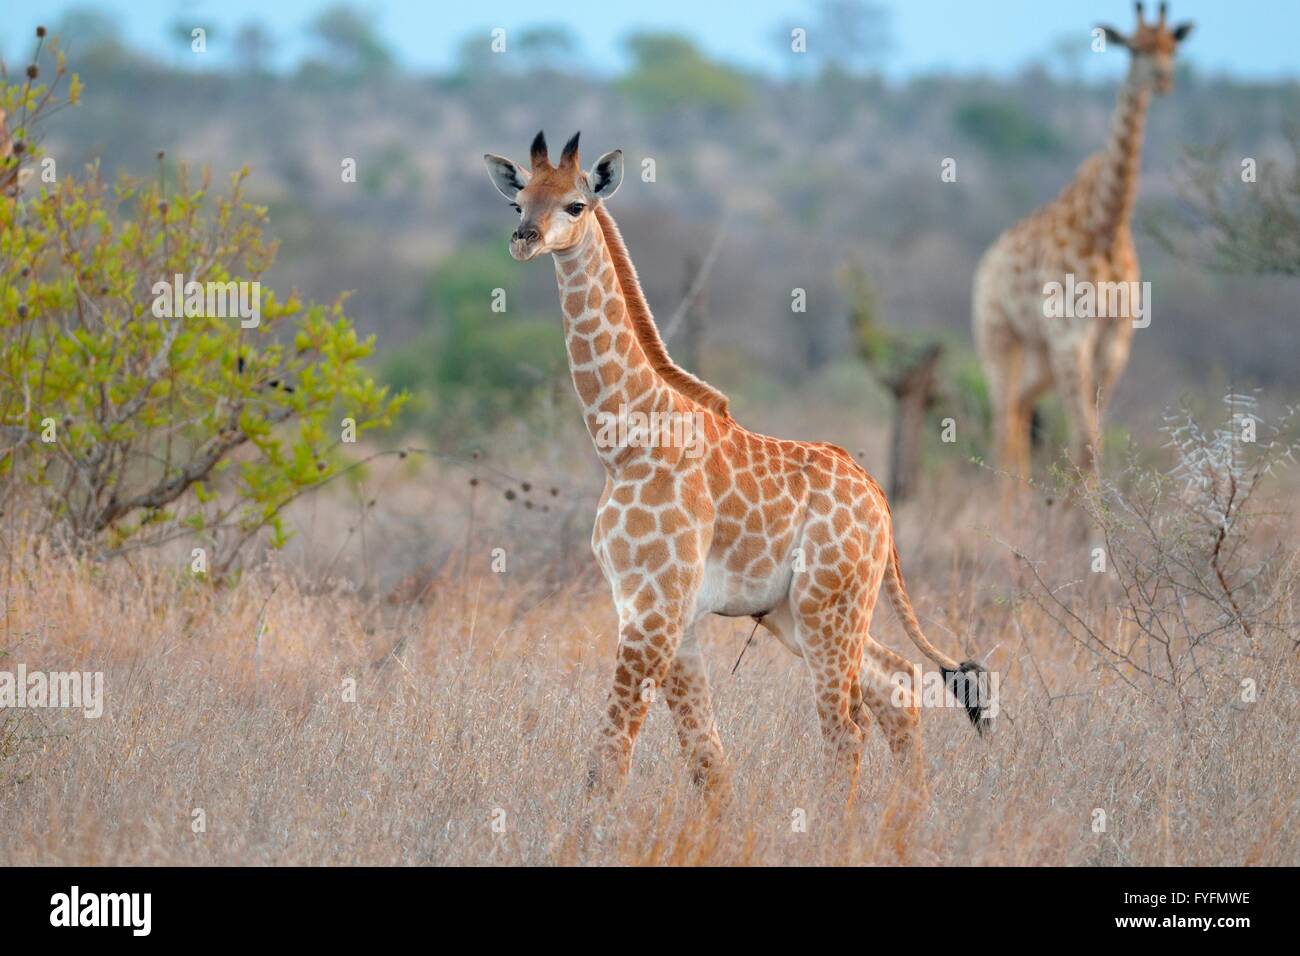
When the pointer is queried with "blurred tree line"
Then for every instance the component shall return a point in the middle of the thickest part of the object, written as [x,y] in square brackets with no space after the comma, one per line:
[819,163]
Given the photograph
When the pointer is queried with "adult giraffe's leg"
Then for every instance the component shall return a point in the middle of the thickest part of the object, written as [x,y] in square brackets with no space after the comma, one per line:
[1001,356]
[1017,420]
[686,689]
[1032,381]
[1012,420]
[1072,372]
[1112,356]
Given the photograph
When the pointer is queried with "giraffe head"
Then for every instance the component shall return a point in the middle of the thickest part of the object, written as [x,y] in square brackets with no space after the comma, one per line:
[554,202]
[1153,46]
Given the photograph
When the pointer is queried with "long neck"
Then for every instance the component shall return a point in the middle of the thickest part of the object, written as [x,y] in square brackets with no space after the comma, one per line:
[1115,188]
[611,372]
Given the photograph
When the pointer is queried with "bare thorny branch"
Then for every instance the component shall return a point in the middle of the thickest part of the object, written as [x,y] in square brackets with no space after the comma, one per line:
[1190,558]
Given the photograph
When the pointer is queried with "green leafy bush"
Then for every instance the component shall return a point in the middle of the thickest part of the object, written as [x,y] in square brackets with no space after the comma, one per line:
[670,72]
[1005,130]
[475,366]
[131,427]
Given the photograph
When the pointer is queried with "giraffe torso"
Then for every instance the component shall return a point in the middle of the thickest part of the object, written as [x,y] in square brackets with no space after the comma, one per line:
[1045,247]
[729,529]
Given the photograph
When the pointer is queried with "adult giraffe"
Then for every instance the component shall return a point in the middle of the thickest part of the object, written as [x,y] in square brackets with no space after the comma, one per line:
[794,534]
[1083,233]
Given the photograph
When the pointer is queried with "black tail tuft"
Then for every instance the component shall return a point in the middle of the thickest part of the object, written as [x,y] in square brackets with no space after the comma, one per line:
[972,692]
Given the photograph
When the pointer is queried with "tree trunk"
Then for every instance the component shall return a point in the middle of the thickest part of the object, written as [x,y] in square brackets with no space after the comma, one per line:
[913,390]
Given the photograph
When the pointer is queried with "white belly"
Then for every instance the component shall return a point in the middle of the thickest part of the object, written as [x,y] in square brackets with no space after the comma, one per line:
[735,595]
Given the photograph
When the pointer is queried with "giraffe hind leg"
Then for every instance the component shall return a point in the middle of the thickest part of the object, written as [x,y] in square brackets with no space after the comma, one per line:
[831,656]
[686,689]
[860,712]
[1072,372]
[1035,378]
[891,690]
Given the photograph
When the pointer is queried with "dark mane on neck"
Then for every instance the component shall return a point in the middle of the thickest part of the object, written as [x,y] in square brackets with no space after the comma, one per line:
[643,324]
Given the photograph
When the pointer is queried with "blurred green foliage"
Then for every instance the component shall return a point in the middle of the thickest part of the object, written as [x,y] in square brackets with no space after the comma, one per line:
[475,366]
[1244,224]
[1004,129]
[350,42]
[547,47]
[670,72]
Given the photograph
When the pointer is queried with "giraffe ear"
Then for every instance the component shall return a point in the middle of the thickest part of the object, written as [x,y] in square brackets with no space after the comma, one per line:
[507,176]
[607,174]
[1113,35]
[1182,30]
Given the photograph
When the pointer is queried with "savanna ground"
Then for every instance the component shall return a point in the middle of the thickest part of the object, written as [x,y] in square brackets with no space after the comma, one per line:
[476,695]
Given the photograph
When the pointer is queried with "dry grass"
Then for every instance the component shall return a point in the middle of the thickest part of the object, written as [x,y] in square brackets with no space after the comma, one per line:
[478,707]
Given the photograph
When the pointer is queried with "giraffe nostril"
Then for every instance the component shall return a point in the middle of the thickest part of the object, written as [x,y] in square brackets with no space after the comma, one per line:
[529,234]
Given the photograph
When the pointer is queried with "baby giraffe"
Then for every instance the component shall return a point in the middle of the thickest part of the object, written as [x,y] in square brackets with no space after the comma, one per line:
[700,516]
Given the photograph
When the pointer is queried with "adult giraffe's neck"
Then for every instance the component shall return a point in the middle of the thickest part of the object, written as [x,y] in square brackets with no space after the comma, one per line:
[1115,188]
[611,371]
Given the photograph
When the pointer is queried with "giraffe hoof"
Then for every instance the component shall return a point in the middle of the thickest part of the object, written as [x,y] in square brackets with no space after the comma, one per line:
[712,782]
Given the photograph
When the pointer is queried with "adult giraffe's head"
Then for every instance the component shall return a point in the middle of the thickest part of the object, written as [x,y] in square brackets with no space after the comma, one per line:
[1153,46]
[554,202]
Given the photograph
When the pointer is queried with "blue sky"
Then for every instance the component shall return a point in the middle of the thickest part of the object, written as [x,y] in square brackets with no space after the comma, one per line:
[1247,38]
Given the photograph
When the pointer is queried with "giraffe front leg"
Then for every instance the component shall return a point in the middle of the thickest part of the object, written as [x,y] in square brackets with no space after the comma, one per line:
[687,691]
[646,649]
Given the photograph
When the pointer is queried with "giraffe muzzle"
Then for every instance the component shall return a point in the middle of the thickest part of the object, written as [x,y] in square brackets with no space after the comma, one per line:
[525,242]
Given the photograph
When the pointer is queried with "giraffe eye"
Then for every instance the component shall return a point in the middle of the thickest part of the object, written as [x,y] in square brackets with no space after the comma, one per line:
[575,209]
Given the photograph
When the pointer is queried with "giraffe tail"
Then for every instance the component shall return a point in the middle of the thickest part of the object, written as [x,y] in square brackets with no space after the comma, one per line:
[963,679]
